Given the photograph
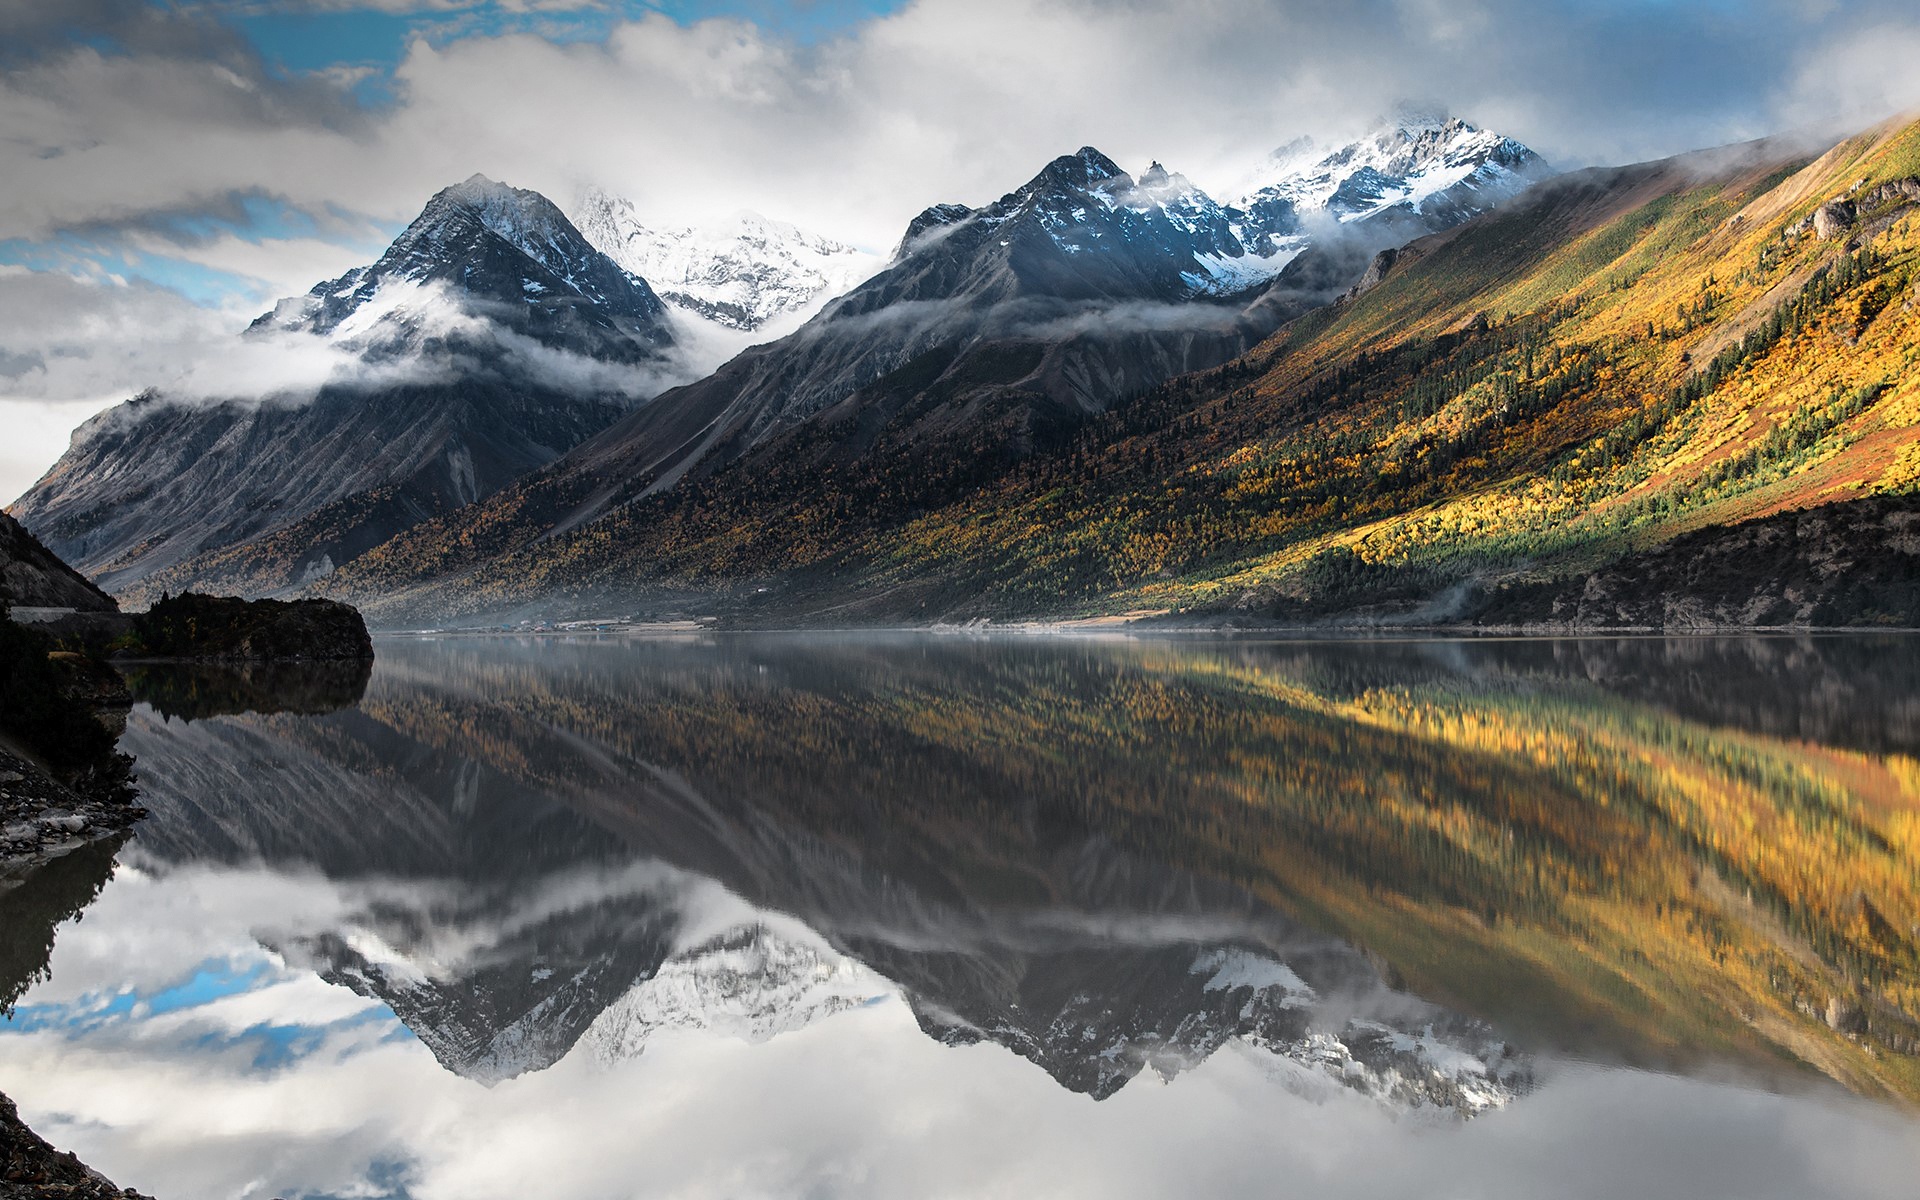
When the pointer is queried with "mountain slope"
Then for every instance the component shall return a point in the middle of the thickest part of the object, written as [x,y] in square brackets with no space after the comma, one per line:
[741,273]
[34,577]
[487,340]
[1613,359]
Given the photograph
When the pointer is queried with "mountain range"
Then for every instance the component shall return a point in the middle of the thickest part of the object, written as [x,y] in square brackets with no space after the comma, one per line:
[1390,377]
[522,339]
[1612,359]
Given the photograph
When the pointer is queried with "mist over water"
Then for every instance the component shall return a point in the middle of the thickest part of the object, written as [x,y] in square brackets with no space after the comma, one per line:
[860,915]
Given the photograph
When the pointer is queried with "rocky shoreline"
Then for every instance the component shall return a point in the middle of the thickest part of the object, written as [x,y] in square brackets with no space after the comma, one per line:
[42,819]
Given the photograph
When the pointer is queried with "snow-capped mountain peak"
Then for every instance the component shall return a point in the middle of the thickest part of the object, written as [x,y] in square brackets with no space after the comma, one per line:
[742,271]
[482,253]
[1418,164]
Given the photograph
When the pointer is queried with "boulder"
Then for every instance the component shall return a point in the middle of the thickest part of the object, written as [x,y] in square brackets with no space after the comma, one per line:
[1833,219]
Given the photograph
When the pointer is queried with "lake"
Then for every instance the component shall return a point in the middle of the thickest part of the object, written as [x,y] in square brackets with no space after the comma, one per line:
[885,915]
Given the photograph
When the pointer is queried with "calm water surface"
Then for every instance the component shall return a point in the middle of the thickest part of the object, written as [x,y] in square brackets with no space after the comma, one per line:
[920,916]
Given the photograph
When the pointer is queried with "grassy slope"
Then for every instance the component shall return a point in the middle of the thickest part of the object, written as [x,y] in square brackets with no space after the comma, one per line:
[1536,392]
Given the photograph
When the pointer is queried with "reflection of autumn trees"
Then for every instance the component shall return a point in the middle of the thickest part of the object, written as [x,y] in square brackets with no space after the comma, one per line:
[1508,835]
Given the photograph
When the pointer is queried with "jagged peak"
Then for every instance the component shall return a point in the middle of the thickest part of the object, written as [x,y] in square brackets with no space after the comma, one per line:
[930,219]
[1083,170]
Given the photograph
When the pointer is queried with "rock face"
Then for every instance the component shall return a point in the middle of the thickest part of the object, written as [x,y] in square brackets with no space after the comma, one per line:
[1833,219]
[43,819]
[46,710]
[490,338]
[225,628]
[32,576]
[1855,563]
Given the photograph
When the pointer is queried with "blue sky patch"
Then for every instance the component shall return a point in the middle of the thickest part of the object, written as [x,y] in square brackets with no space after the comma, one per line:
[305,42]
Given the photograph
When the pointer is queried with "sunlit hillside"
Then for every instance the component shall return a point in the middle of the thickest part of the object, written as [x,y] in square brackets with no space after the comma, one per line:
[1621,356]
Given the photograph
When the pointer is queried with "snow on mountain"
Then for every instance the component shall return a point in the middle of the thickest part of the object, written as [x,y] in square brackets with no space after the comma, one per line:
[741,272]
[1406,178]
[1440,169]
[750,983]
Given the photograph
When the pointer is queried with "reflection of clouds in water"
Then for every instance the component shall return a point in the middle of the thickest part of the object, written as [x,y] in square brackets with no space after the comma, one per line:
[235,1075]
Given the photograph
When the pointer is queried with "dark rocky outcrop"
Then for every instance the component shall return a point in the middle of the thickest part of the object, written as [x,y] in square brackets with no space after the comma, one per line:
[1852,564]
[48,719]
[226,628]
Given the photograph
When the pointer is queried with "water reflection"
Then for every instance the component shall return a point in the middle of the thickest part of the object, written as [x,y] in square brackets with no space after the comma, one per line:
[1409,877]
[197,690]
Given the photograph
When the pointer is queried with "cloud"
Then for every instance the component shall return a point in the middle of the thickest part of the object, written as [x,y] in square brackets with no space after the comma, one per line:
[941,100]
[1857,79]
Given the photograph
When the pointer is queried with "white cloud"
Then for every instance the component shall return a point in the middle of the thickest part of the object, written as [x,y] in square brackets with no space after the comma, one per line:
[1857,79]
[279,267]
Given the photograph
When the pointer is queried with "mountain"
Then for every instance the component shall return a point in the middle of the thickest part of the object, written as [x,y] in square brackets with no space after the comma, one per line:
[489,338]
[743,273]
[992,335]
[482,248]
[1613,359]
[1407,177]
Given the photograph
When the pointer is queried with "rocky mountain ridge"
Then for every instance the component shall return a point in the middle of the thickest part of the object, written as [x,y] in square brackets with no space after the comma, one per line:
[994,332]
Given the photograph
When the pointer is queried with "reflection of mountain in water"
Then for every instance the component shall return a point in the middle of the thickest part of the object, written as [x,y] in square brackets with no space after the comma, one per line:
[499,980]
[501,923]
[750,982]
[1044,845]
